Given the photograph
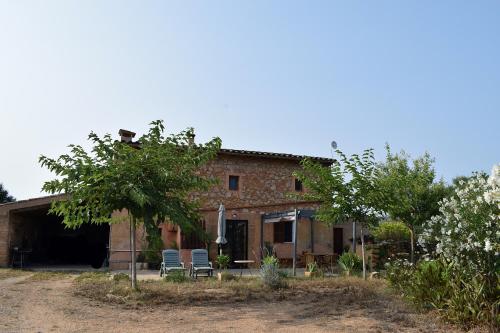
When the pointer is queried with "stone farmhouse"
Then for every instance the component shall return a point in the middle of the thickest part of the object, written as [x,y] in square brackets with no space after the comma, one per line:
[253,185]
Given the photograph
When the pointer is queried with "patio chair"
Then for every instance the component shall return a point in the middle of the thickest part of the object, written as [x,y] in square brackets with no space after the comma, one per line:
[200,263]
[171,262]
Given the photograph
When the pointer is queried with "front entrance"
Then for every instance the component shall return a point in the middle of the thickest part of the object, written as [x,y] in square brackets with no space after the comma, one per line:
[338,240]
[237,240]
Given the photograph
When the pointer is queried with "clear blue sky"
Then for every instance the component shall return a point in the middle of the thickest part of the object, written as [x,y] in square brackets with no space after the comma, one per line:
[282,76]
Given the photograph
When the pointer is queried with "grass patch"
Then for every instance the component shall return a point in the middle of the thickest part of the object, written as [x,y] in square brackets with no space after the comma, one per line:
[6,273]
[205,291]
[46,276]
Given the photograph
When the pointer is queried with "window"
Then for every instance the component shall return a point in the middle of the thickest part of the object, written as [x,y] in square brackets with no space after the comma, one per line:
[298,185]
[283,232]
[193,240]
[234,183]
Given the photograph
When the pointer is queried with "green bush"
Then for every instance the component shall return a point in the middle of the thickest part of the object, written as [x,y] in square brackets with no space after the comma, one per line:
[350,262]
[391,231]
[176,276]
[270,274]
[312,267]
[392,239]
[437,284]
[222,261]
[121,277]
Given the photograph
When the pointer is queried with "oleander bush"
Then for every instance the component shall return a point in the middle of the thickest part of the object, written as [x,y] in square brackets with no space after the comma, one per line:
[460,272]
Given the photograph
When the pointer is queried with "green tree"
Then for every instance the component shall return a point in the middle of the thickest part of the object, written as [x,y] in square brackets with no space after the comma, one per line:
[152,181]
[4,195]
[347,191]
[411,192]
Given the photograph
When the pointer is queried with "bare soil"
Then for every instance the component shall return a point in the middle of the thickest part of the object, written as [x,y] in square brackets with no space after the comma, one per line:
[59,303]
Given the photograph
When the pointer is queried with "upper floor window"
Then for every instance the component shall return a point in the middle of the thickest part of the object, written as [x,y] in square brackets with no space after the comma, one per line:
[298,185]
[234,183]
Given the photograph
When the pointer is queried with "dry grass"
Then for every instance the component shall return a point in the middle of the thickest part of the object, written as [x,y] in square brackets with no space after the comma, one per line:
[103,288]
[6,273]
[45,276]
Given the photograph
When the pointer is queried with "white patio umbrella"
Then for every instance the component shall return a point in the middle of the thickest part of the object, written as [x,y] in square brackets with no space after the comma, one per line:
[221,228]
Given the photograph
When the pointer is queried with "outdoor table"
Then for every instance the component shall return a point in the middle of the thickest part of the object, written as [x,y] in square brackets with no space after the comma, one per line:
[241,263]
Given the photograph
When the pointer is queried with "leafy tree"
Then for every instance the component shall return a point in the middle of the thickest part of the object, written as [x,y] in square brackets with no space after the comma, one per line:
[411,192]
[347,191]
[4,195]
[152,182]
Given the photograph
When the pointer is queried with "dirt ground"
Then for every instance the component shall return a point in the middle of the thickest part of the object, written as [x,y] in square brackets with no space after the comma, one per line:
[29,305]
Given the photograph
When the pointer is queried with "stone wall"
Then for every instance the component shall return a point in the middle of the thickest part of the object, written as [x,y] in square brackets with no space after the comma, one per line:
[262,181]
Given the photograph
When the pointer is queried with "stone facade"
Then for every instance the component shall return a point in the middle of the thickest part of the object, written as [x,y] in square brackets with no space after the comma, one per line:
[265,185]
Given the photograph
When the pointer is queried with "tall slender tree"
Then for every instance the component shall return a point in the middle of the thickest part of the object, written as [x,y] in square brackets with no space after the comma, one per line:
[411,192]
[5,196]
[347,191]
[151,181]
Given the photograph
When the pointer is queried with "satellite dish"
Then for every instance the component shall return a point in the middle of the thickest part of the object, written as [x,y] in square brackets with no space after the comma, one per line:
[334,145]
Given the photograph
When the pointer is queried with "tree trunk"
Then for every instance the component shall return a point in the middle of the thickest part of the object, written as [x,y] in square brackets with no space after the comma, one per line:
[412,245]
[363,251]
[133,271]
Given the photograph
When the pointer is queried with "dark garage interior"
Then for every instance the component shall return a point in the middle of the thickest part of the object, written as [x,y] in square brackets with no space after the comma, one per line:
[48,243]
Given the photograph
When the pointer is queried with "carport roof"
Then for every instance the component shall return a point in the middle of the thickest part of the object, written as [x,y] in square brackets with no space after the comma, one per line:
[32,201]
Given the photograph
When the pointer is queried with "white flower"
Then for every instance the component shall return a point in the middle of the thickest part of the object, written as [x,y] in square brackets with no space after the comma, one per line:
[487,245]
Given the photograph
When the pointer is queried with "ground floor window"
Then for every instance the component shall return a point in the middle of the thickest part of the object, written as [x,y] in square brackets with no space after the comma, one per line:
[283,232]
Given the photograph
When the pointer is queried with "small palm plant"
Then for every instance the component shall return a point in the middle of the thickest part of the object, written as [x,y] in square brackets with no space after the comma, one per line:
[350,262]
[312,269]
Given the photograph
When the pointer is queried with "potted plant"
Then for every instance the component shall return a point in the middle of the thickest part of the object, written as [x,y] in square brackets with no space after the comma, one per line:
[222,261]
[312,270]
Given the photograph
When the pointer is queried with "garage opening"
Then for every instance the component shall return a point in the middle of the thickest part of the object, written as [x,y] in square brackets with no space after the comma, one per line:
[48,243]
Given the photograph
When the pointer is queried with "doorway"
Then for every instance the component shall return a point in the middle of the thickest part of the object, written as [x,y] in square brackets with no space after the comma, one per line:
[237,240]
[338,240]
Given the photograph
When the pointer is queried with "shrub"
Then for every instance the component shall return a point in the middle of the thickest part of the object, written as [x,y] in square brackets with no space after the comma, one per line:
[393,239]
[222,261]
[121,277]
[226,276]
[466,237]
[438,284]
[312,267]
[176,277]
[391,231]
[270,273]
[350,262]
[426,283]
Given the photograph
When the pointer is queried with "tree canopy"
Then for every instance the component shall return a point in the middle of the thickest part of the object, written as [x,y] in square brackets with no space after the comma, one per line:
[5,196]
[411,192]
[347,190]
[151,180]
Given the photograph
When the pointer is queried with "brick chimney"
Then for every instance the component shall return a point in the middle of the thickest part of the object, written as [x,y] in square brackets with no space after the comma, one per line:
[126,136]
